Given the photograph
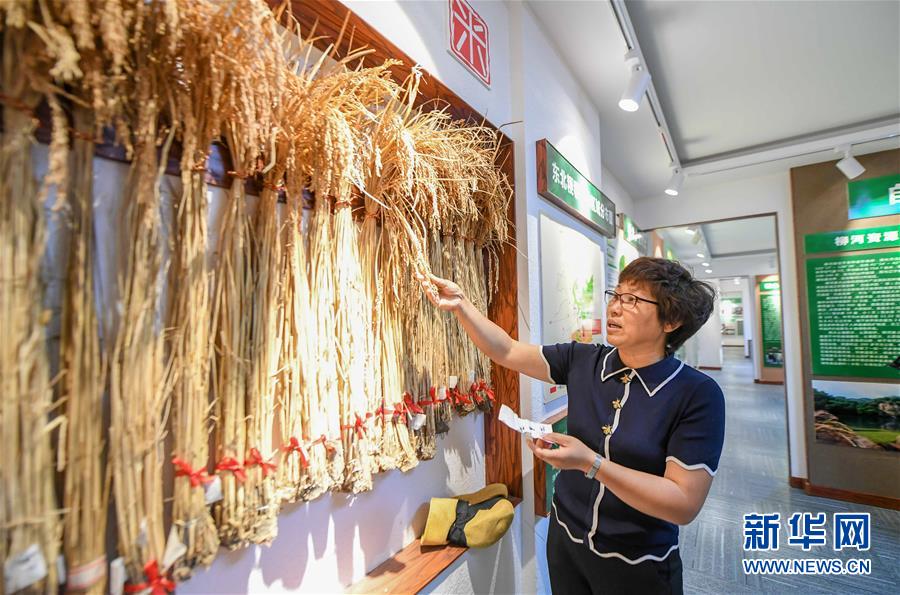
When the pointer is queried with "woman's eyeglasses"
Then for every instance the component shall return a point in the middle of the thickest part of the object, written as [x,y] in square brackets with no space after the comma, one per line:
[628,300]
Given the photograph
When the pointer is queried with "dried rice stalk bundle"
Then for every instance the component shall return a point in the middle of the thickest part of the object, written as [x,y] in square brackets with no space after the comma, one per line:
[261,499]
[336,141]
[86,489]
[398,448]
[199,85]
[232,316]
[323,291]
[28,517]
[300,474]
[353,328]
[369,247]
[140,378]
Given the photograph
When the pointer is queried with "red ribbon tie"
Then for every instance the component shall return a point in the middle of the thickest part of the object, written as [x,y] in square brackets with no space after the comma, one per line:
[156,582]
[196,477]
[256,460]
[234,466]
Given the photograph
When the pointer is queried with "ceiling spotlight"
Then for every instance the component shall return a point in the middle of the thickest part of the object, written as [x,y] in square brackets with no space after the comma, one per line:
[674,185]
[706,264]
[737,281]
[637,82]
[849,166]
[700,255]
[708,270]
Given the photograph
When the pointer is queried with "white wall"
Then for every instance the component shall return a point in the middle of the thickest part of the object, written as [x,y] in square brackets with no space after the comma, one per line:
[749,317]
[709,337]
[741,198]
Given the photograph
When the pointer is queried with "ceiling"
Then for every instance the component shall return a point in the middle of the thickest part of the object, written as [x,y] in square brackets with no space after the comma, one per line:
[736,247]
[732,77]
[740,237]
[785,69]
[593,47]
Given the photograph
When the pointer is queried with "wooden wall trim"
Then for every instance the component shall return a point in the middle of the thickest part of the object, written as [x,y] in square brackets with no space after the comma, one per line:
[797,482]
[851,496]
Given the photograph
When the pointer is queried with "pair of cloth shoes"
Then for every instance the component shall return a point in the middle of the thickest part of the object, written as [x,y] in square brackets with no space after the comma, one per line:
[479,519]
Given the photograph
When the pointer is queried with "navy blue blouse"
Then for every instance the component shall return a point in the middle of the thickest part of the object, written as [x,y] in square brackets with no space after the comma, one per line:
[640,418]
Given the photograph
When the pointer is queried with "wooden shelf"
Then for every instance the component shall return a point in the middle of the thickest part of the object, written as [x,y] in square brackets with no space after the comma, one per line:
[412,568]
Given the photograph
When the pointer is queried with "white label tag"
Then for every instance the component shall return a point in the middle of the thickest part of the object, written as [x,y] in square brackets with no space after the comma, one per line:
[213,490]
[61,569]
[524,426]
[25,569]
[174,549]
[418,421]
[117,576]
[82,577]
[453,381]
[442,393]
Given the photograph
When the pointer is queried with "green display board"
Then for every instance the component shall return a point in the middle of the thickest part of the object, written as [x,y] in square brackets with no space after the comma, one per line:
[561,183]
[854,318]
[560,427]
[770,322]
[875,197]
[634,236]
[872,238]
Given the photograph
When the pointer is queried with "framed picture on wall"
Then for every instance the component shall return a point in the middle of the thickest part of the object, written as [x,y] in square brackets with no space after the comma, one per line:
[857,414]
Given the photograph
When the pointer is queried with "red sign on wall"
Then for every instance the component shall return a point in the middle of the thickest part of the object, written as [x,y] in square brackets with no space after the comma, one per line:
[469,40]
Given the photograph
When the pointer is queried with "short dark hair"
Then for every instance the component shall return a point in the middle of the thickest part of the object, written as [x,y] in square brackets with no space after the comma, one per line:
[682,299]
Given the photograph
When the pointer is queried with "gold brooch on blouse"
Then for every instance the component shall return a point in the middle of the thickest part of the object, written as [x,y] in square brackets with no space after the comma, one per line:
[607,430]
[617,404]
[625,378]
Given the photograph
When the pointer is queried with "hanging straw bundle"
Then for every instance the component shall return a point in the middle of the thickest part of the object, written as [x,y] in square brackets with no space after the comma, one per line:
[262,501]
[139,375]
[86,489]
[30,528]
[232,294]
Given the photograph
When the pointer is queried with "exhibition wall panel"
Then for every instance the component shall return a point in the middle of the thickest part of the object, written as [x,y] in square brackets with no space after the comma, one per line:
[849,333]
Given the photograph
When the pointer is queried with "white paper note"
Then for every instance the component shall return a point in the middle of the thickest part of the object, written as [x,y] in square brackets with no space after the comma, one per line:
[117,576]
[174,549]
[25,569]
[418,421]
[213,490]
[524,426]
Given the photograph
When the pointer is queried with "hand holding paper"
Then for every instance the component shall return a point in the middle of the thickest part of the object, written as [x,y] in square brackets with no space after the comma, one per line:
[523,426]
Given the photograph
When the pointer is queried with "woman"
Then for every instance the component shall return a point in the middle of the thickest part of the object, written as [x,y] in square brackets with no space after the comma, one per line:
[645,430]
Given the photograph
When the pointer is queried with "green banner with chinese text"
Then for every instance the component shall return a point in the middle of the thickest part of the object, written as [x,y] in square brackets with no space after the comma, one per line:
[874,197]
[561,183]
[872,238]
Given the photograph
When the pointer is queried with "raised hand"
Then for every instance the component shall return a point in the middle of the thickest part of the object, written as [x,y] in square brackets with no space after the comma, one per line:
[449,295]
